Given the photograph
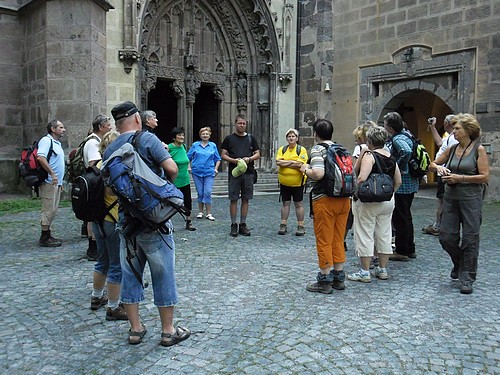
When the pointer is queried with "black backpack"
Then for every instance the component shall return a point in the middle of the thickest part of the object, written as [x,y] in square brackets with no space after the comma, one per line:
[87,196]
[297,149]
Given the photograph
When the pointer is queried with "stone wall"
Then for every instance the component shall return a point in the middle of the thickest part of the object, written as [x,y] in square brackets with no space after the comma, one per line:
[368,33]
[315,66]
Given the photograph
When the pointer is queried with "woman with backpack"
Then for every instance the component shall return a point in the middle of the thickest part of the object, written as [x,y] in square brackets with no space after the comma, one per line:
[289,159]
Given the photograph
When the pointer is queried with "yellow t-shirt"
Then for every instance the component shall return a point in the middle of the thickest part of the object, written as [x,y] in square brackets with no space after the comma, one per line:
[291,176]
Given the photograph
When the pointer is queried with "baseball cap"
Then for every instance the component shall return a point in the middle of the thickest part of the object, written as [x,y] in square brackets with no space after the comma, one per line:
[123,110]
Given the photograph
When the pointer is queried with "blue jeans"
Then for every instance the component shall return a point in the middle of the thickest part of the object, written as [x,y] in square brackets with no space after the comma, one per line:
[464,253]
[159,251]
[108,251]
[204,187]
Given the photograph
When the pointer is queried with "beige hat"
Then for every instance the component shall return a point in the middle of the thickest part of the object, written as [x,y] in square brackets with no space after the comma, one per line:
[240,168]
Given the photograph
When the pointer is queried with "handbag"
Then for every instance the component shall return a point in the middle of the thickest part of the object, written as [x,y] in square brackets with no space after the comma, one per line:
[378,187]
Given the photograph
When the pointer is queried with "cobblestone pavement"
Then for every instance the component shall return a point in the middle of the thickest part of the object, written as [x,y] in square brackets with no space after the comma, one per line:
[246,303]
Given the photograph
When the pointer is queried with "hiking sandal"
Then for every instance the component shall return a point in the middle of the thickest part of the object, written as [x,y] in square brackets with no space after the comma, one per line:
[132,334]
[180,334]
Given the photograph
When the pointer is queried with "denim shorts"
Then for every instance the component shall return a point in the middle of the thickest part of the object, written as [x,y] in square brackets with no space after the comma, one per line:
[108,251]
[158,250]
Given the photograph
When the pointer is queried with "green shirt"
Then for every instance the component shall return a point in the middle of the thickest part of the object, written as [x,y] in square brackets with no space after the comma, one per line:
[179,155]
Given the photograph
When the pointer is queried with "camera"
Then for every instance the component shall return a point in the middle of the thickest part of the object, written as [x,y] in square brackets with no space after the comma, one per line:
[430,120]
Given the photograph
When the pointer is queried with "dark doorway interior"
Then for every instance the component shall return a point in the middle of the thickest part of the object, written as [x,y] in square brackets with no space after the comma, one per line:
[416,106]
[206,113]
[162,100]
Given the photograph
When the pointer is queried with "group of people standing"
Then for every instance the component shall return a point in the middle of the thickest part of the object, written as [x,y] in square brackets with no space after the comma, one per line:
[463,168]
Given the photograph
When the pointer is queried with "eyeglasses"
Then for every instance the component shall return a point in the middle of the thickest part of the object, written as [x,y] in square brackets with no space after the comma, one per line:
[104,119]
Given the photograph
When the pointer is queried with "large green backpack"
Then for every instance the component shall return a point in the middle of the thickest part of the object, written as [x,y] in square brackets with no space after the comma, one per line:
[76,165]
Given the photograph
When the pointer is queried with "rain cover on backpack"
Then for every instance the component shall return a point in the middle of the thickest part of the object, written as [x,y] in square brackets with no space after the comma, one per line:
[141,192]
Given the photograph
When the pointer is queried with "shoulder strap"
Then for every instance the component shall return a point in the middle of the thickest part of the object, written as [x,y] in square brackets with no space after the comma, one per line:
[283,149]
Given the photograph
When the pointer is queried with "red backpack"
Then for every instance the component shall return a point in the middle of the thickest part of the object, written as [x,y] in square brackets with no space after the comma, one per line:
[29,167]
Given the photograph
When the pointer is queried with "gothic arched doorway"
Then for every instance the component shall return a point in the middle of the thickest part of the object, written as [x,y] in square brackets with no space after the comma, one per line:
[162,100]
[415,107]
[221,59]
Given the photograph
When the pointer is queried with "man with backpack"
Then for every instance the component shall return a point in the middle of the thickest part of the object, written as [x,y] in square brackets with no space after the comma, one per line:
[51,158]
[330,207]
[402,151]
[155,247]
[240,150]
[91,156]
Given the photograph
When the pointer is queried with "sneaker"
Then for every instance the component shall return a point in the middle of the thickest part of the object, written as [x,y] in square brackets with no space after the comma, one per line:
[244,230]
[360,275]
[200,215]
[300,231]
[381,273]
[466,288]
[96,302]
[431,230]
[322,285]
[282,229]
[399,257]
[210,217]
[454,274]
[116,314]
[234,230]
[49,241]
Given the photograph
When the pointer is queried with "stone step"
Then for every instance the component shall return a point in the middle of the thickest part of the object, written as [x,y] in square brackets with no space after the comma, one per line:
[266,183]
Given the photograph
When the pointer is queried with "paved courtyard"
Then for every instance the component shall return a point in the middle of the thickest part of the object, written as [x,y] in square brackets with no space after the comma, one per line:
[245,301]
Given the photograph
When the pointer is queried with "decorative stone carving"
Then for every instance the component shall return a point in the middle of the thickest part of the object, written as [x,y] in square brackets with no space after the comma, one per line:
[284,80]
[218,93]
[128,58]
[241,92]
[192,87]
[178,90]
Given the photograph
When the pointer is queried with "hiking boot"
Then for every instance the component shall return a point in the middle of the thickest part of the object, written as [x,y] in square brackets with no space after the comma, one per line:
[300,231]
[116,314]
[189,226]
[92,251]
[234,230]
[322,285]
[46,240]
[84,232]
[466,288]
[96,302]
[412,256]
[244,230]
[282,229]
[381,273]
[399,257]
[338,279]
[360,275]
[431,230]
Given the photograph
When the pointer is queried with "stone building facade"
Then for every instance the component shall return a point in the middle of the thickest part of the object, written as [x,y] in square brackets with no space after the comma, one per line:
[281,63]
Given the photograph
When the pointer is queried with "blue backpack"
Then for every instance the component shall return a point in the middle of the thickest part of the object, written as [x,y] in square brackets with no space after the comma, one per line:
[147,197]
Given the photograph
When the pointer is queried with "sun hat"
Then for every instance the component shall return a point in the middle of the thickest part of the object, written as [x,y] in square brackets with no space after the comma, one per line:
[240,168]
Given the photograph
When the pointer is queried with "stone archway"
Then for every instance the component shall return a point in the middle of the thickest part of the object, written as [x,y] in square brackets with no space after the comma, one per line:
[227,46]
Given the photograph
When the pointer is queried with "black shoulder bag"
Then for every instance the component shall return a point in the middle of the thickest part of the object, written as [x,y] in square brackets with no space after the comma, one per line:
[378,187]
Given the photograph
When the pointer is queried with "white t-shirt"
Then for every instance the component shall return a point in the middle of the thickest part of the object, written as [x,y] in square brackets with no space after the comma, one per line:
[91,150]
[447,142]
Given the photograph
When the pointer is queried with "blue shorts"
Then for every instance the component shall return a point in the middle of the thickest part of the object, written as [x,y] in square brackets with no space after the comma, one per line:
[108,251]
[158,250]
